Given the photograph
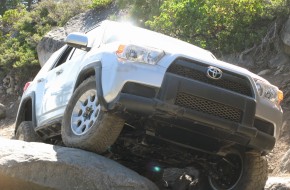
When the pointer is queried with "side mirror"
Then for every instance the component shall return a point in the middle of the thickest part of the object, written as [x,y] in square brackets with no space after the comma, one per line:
[77,40]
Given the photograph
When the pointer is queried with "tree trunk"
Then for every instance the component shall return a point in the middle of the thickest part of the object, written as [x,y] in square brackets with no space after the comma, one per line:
[29,5]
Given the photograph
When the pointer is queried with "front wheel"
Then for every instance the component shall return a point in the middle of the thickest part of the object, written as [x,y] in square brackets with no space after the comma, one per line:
[236,171]
[85,124]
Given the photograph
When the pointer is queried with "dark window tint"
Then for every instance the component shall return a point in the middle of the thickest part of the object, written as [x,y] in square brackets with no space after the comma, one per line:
[63,58]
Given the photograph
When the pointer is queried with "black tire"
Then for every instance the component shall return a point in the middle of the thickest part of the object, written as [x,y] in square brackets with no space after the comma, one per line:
[25,132]
[253,174]
[103,128]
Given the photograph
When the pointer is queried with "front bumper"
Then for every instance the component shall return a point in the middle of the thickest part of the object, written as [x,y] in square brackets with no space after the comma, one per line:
[235,115]
[242,133]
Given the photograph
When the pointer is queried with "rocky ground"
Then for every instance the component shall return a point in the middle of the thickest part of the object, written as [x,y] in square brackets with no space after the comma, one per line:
[7,125]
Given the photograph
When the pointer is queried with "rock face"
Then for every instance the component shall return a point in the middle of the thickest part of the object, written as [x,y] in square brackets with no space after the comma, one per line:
[285,36]
[278,183]
[2,111]
[10,85]
[285,164]
[41,166]
[83,22]
[51,42]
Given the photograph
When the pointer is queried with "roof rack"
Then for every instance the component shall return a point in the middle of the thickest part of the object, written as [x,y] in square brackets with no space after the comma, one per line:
[93,27]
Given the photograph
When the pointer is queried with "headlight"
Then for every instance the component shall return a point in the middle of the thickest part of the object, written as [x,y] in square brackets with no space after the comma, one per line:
[269,92]
[139,54]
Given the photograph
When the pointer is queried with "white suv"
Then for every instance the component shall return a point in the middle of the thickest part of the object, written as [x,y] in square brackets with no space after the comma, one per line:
[161,88]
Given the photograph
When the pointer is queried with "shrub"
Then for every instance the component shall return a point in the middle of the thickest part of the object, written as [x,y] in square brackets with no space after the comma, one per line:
[100,3]
[218,25]
[22,30]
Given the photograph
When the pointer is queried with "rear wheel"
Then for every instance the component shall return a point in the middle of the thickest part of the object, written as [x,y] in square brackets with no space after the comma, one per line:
[240,171]
[25,132]
[85,124]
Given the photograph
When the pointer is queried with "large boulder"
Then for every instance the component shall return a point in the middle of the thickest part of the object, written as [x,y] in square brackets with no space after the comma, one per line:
[83,22]
[50,43]
[42,166]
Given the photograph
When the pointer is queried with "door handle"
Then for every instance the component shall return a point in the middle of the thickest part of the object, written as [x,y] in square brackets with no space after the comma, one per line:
[40,80]
[59,72]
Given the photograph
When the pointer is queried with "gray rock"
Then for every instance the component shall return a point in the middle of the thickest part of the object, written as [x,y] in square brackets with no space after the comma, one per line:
[279,60]
[285,35]
[231,58]
[279,71]
[16,87]
[2,111]
[285,163]
[278,183]
[6,81]
[83,22]
[50,43]
[245,61]
[41,166]
[10,91]
[264,72]
[2,90]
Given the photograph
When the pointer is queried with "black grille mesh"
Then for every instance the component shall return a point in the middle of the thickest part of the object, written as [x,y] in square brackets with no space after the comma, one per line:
[208,107]
[201,76]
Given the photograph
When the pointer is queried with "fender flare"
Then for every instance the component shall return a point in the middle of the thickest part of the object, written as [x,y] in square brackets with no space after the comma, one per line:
[21,116]
[97,67]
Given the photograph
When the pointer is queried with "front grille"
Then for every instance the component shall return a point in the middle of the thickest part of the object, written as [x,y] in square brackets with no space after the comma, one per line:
[208,107]
[197,71]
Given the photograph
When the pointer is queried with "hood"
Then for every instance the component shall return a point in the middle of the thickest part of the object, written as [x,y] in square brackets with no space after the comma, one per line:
[129,34]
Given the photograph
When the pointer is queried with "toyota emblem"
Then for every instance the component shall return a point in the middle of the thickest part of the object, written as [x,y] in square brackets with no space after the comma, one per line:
[214,73]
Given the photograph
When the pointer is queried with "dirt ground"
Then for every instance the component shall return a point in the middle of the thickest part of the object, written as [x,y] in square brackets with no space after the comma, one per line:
[7,125]
[274,157]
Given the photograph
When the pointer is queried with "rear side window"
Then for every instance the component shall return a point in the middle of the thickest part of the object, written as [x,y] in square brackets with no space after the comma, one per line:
[64,57]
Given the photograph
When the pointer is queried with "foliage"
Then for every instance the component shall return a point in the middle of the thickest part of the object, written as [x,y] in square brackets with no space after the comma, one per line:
[222,26]
[22,30]
[141,11]
[100,3]
[8,4]
[219,25]
[12,4]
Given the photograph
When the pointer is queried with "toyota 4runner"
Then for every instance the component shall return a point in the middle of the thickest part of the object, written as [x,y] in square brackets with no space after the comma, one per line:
[119,87]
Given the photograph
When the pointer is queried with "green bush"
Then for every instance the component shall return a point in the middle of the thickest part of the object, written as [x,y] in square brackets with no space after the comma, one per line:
[22,30]
[141,11]
[218,25]
[101,3]
[222,26]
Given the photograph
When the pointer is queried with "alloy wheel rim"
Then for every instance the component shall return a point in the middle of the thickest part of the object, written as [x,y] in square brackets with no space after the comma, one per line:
[85,112]
[231,170]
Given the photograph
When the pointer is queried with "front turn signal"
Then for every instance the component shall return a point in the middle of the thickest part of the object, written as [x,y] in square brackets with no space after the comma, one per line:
[280,96]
